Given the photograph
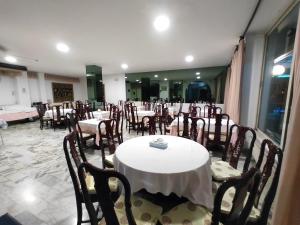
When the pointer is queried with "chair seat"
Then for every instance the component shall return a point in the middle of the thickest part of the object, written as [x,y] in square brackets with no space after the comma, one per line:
[89,180]
[221,171]
[186,213]
[109,160]
[227,204]
[144,212]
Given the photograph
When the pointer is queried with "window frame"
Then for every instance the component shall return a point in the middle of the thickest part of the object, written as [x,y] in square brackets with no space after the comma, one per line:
[261,134]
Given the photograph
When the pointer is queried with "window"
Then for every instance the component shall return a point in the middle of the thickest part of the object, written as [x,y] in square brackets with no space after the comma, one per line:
[277,70]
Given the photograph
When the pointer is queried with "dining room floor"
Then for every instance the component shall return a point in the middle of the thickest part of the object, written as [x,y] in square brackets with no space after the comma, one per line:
[35,185]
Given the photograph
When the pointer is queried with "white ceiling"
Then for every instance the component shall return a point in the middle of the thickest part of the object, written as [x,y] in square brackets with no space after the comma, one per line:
[110,32]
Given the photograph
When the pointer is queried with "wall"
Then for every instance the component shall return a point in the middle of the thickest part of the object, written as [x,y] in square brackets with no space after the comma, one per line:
[164,94]
[115,88]
[8,92]
[251,79]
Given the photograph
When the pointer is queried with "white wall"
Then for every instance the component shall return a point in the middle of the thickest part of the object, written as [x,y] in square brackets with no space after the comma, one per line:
[8,91]
[34,90]
[115,88]
[251,79]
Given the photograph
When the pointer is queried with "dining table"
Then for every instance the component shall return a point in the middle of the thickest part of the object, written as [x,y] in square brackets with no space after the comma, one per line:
[63,112]
[101,114]
[182,168]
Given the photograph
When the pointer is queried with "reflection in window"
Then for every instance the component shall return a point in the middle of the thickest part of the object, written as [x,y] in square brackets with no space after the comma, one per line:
[278,61]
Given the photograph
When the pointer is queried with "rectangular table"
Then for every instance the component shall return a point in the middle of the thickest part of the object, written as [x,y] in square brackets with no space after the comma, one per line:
[91,126]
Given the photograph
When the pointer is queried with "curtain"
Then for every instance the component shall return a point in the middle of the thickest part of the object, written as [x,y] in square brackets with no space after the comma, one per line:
[287,209]
[227,85]
[234,92]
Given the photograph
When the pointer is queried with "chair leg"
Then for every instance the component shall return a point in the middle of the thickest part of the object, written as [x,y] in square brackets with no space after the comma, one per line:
[79,212]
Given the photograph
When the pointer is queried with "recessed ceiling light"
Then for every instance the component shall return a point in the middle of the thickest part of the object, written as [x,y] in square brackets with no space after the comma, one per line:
[137,80]
[166,79]
[10,59]
[62,47]
[125,77]
[124,66]
[189,58]
[198,77]
[161,23]
[197,73]
[155,75]
[278,70]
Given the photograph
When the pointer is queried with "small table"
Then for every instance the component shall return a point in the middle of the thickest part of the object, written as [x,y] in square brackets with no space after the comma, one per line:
[142,113]
[101,114]
[183,168]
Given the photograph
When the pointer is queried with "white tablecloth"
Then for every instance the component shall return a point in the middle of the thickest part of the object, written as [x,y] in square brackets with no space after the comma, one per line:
[183,168]
[48,113]
[101,114]
[91,126]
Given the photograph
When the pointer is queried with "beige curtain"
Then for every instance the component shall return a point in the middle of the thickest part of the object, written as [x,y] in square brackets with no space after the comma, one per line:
[227,85]
[287,209]
[233,99]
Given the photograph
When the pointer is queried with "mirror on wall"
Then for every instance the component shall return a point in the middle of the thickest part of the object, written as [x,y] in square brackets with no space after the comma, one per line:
[185,85]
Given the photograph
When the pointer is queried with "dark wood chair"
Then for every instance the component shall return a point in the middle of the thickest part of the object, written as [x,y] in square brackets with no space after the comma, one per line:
[129,209]
[89,112]
[240,210]
[58,116]
[227,167]
[149,123]
[43,120]
[74,153]
[215,138]
[195,129]
[271,155]
[210,111]
[73,125]
[107,140]
[134,121]
[113,111]
[184,132]
[118,126]
[67,105]
[195,111]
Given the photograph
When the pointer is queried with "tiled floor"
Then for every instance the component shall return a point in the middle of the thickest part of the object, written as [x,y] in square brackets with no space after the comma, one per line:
[35,185]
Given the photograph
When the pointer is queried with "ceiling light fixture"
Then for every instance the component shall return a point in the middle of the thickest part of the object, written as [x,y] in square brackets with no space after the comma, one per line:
[62,47]
[161,23]
[155,75]
[197,73]
[10,59]
[125,77]
[189,58]
[198,77]
[124,66]
[166,79]
[137,80]
[278,70]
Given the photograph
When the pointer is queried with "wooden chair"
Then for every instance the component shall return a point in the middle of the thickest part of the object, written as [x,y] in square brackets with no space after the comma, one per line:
[89,112]
[149,122]
[113,111]
[134,122]
[216,139]
[106,134]
[58,116]
[118,127]
[227,167]
[129,209]
[195,129]
[166,120]
[185,131]
[67,105]
[73,125]
[195,111]
[43,120]
[71,147]
[188,213]
[270,169]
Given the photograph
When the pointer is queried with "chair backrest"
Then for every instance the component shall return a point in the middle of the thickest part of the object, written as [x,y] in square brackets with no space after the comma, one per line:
[185,128]
[101,178]
[211,111]
[271,155]
[89,112]
[71,147]
[240,210]
[40,110]
[195,111]
[134,118]
[195,128]
[113,111]
[233,150]
[217,131]
[108,126]
[150,123]
[119,125]
[57,112]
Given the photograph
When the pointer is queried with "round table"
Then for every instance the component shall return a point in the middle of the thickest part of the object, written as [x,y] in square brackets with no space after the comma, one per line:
[183,168]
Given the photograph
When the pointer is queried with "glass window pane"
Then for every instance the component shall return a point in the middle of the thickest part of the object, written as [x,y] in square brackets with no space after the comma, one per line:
[278,60]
